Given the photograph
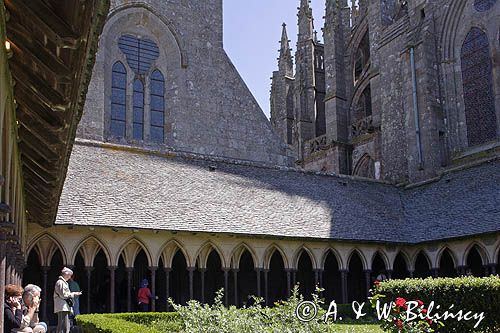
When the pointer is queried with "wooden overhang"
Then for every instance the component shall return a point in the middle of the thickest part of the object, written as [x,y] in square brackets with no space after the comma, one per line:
[53,45]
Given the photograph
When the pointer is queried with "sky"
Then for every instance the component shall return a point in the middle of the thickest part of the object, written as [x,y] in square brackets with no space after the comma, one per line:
[252,31]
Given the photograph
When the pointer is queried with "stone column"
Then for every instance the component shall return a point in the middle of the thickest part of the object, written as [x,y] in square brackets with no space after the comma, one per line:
[389,274]
[368,281]
[235,280]
[288,282]
[258,270]
[343,280]
[411,274]
[435,272]
[153,287]
[266,286]
[8,274]
[461,270]
[88,272]
[45,274]
[112,270]
[294,277]
[493,269]
[226,286]
[191,272]
[167,282]
[486,270]
[202,280]
[129,271]
[2,270]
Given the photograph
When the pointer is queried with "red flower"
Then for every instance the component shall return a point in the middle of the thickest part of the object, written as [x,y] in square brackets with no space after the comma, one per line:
[424,310]
[376,283]
[401,302]
[399,323]
[429,321]
[420,303]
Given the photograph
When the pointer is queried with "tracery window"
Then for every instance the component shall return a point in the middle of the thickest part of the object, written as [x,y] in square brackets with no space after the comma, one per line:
[118,100]
[157,105]
[140,54]
[477,79]
[484,5]
[138,99]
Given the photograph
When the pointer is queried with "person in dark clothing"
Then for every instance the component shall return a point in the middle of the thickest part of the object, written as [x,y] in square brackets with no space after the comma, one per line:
[12,309]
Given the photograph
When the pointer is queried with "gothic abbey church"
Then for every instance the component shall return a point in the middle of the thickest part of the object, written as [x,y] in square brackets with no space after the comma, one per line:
[382,156]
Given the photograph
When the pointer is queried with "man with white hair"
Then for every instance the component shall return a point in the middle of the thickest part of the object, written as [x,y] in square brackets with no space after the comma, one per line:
[63,300]
[31,299]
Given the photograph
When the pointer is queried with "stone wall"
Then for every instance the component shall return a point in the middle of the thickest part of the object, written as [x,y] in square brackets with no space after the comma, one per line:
[209,109]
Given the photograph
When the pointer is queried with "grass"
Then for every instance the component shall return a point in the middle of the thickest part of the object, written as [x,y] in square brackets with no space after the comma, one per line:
[357,328]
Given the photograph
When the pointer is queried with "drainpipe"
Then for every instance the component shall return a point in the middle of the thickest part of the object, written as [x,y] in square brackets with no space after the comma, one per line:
[415,108]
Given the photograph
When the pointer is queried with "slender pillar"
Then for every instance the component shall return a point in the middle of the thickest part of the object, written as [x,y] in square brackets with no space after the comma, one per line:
[266,286]
[88,271]
[288,282]
[2,270]
[202,280]
[368,281]
[321,285]
[8,274]
[461,270]
[493,269]
[153,269]
[389,273]
[343,280]
[435,272]
[226,286]
[167,285]
[45,273]
[486,270]
[235,280]
[112,270]
[191,273]
[294,277]
[129,271]
[411,274]
[258,270]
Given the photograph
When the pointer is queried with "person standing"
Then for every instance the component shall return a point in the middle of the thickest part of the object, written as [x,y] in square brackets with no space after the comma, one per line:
[63,300]
[143,296]
[75,287]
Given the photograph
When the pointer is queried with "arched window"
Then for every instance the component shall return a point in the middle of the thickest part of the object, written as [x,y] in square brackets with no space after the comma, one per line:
[138,100]
[362,56]
[157,105]
[365,167]
[484,5]
[118,98]
[477,79]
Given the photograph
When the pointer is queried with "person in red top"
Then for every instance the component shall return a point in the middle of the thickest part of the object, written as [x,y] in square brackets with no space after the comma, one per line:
[144,296]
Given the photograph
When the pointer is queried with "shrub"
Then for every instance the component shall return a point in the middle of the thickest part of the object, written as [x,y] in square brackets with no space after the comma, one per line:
[477,295]
[98,323]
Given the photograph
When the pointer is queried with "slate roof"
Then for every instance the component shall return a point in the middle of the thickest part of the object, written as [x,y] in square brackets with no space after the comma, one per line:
[120,188]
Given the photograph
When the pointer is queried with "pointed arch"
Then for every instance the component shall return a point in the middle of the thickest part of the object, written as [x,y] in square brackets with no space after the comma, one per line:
[238,251]
[169,250]
[442,251]
[361,256]
[203,253]
[299,252]
[447,263]
[91,253]
[480,249]
[401,265]
[480,113]
[365,167]
[335,254]
[47,249]
[269,253]
[383,256]
[129,251]
[423,254]
[118,100]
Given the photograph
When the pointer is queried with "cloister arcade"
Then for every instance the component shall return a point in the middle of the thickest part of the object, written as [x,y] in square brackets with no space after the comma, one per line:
[109,266]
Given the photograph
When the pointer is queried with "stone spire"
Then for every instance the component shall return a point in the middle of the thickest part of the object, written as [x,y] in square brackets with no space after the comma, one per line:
[306,21]
[285,63]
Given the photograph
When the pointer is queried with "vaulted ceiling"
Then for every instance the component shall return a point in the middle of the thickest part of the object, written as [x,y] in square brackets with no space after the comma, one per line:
[53,47]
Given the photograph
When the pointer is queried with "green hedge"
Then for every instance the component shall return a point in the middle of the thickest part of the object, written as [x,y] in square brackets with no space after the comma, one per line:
[466,293]
[128,322]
